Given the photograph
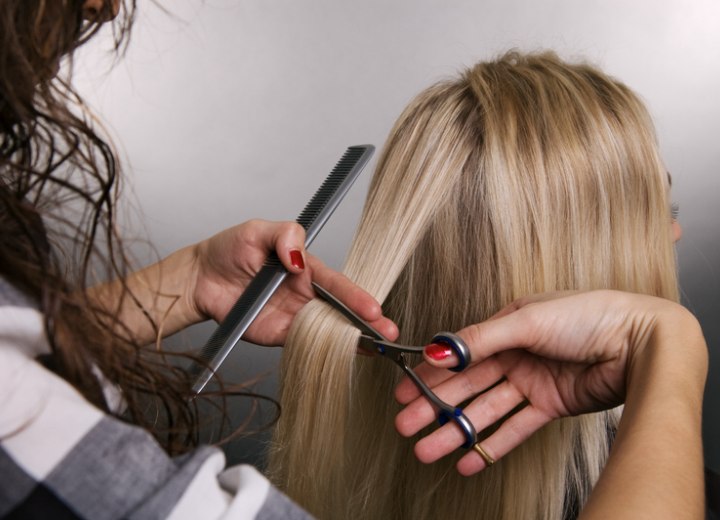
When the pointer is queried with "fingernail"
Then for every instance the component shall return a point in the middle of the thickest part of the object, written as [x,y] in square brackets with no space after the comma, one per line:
[438,351]
[296,259]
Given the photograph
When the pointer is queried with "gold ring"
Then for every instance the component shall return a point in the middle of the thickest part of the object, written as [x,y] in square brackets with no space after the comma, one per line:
[484,454]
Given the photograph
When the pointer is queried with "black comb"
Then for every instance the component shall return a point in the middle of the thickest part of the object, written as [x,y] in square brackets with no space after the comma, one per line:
[268,279]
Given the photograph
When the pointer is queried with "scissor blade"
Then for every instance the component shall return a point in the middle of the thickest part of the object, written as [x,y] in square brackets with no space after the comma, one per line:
[356,320]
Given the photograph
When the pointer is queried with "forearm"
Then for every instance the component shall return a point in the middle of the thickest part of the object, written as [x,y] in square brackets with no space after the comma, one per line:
[655,468]
[157,301]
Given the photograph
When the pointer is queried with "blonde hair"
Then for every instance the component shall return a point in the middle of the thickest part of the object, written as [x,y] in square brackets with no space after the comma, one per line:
[525,174]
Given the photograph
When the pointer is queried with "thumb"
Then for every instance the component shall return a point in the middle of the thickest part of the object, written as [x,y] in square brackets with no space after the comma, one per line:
[287,239]
[513,327]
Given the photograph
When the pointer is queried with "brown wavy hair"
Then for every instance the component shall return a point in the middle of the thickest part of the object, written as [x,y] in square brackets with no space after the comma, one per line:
[58,192]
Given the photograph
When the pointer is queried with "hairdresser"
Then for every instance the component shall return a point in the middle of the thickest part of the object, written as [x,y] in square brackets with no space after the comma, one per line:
[95,424]
[570,353]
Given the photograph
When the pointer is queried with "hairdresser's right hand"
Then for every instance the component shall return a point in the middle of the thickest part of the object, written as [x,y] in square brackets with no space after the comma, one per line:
[563,353]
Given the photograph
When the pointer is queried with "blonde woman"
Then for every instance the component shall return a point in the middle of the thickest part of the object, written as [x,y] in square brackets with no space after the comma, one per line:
[524,175]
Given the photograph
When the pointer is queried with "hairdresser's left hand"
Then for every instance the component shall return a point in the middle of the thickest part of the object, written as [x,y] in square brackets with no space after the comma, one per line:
[228,261]
[205,280]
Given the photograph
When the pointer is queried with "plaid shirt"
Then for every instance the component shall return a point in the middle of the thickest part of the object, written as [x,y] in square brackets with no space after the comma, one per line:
[60,457]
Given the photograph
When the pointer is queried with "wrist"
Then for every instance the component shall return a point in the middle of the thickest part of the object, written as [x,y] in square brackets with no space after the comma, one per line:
[655,466]
[179,279]
[673,357]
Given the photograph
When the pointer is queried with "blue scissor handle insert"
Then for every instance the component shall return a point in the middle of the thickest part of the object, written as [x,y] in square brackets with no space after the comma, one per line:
[458,345]
[463,422]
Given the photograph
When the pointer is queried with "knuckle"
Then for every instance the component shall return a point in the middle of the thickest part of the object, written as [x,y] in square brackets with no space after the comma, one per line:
[251,229]
[247,232]
[469,385]
[472,336]
[291,228]
[254,224]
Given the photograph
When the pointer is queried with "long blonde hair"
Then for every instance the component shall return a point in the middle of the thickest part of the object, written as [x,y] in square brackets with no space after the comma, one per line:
[525,174]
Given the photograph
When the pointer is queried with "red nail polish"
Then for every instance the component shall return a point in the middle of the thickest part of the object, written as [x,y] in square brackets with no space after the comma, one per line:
[438,351]
[296,259]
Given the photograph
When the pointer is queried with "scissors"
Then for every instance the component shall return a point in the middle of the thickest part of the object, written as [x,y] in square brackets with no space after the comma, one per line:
[372,341]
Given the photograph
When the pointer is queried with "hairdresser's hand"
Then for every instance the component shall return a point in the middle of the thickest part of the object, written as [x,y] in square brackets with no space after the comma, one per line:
[565,354]
[228,261]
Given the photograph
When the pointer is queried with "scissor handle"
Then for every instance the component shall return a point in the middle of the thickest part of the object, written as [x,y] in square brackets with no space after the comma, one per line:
[458,345]
[463,422]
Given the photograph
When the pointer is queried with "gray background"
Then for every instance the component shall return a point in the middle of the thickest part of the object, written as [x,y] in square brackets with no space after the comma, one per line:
[227,110]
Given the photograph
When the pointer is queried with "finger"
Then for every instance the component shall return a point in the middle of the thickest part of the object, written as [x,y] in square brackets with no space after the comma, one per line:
[454,391]
[501,324]
[484,411]
[386,327]
[511,434]
[288,241]
[420,412]
[474,379]
[527,300]
[512,330]
[406,391]
[356,298]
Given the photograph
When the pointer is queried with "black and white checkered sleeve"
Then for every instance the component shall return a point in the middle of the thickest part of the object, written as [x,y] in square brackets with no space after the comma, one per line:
[60,457]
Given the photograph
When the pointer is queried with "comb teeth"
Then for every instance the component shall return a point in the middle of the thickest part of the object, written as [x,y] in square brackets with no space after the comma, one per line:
[273,260]
[337,176]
